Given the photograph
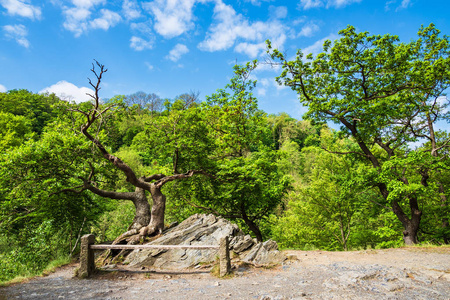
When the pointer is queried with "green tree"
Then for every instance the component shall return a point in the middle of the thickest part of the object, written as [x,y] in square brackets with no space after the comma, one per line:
[14,130]
[38,222]
[38,109]
[376,87]
[247,184]
[148,220]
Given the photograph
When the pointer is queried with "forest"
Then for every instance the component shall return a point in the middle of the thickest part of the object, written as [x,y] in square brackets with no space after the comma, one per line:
[366,167]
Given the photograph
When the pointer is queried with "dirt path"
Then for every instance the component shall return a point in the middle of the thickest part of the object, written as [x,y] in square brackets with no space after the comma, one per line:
[411,273]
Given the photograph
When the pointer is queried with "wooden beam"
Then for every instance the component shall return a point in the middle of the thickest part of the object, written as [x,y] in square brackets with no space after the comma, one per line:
[133,247]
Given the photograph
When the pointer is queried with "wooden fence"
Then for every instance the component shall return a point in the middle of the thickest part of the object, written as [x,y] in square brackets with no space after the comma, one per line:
[87,263]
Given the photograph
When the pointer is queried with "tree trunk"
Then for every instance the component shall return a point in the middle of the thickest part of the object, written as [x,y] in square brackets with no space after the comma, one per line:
[411,227]
[142,215]
[158,210]
[410,234]
[251,225]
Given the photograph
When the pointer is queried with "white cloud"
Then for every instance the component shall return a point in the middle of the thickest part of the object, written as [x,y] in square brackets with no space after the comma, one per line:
[131,9]
[388,4]
[268,67]
[149,66]
[2,88]
[140,44]
[268,84]
[341,3]
[87,3]
[76,20]
[142,27]
[309,30]
[78,17]
[21,8]
[178,51]
[172,17]
[307,4]
[252,50]
[261,91]
[108,19]
[257,2]
[18,33]
[403,5]
[278,12]
[68,91]
[317,47]
[443,101]
[229,27]
[262,86]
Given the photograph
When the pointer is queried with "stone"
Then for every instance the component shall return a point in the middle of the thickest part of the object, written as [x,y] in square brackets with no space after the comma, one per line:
[198,229]
[87,264]
[224,257]
[241,243]
[201,229]
[265,253]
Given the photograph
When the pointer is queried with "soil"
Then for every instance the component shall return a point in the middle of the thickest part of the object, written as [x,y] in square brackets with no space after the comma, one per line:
[407,273]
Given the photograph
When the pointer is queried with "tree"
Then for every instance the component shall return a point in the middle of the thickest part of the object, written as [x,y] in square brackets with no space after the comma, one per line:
[147,221]
[13,130]
[377,88]
[38,109]
[247,185]
[326,197]
[32,177]
[151,102]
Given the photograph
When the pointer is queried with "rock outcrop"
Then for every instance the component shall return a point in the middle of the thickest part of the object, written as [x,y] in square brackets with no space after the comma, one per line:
[203,229]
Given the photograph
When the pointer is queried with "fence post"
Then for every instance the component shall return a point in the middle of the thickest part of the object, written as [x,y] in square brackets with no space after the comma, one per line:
[87,263]
[224,257]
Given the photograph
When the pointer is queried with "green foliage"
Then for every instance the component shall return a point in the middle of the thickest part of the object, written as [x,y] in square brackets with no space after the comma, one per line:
[38,110]
[235,121]
[14,130]
[30,251]
[332,207]
[113,222]
[385,95]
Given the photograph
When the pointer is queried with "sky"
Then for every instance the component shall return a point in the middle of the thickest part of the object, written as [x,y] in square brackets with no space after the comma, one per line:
[173,47]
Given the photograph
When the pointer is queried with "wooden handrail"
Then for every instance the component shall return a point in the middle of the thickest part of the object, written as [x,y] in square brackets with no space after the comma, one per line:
[132,247]
[87,263]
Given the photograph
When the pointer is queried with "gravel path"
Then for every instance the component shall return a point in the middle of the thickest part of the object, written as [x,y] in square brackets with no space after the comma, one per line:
[410,273]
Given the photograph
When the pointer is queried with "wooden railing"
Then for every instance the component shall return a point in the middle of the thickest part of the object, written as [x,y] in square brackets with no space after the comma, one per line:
[87,263]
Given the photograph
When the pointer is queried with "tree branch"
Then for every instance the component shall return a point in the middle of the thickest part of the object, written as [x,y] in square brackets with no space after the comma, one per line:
[349,152]
[188,174]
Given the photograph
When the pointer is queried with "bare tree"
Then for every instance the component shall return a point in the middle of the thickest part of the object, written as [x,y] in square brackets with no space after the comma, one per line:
[188,99]
[152,102]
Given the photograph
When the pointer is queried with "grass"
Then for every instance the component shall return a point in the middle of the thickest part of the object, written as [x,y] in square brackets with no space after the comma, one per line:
[54,264]
[50,268]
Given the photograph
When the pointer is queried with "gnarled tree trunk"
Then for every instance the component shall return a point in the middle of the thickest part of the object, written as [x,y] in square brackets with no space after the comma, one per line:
[142,214]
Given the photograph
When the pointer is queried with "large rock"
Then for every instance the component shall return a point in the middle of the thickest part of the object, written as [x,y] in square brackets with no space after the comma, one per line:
[202,229]
[264,254]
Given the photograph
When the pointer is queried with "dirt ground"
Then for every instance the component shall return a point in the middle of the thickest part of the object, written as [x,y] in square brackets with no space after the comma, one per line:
[407,273]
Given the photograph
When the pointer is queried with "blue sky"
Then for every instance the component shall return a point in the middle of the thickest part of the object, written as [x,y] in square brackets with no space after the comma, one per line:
[177,46]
